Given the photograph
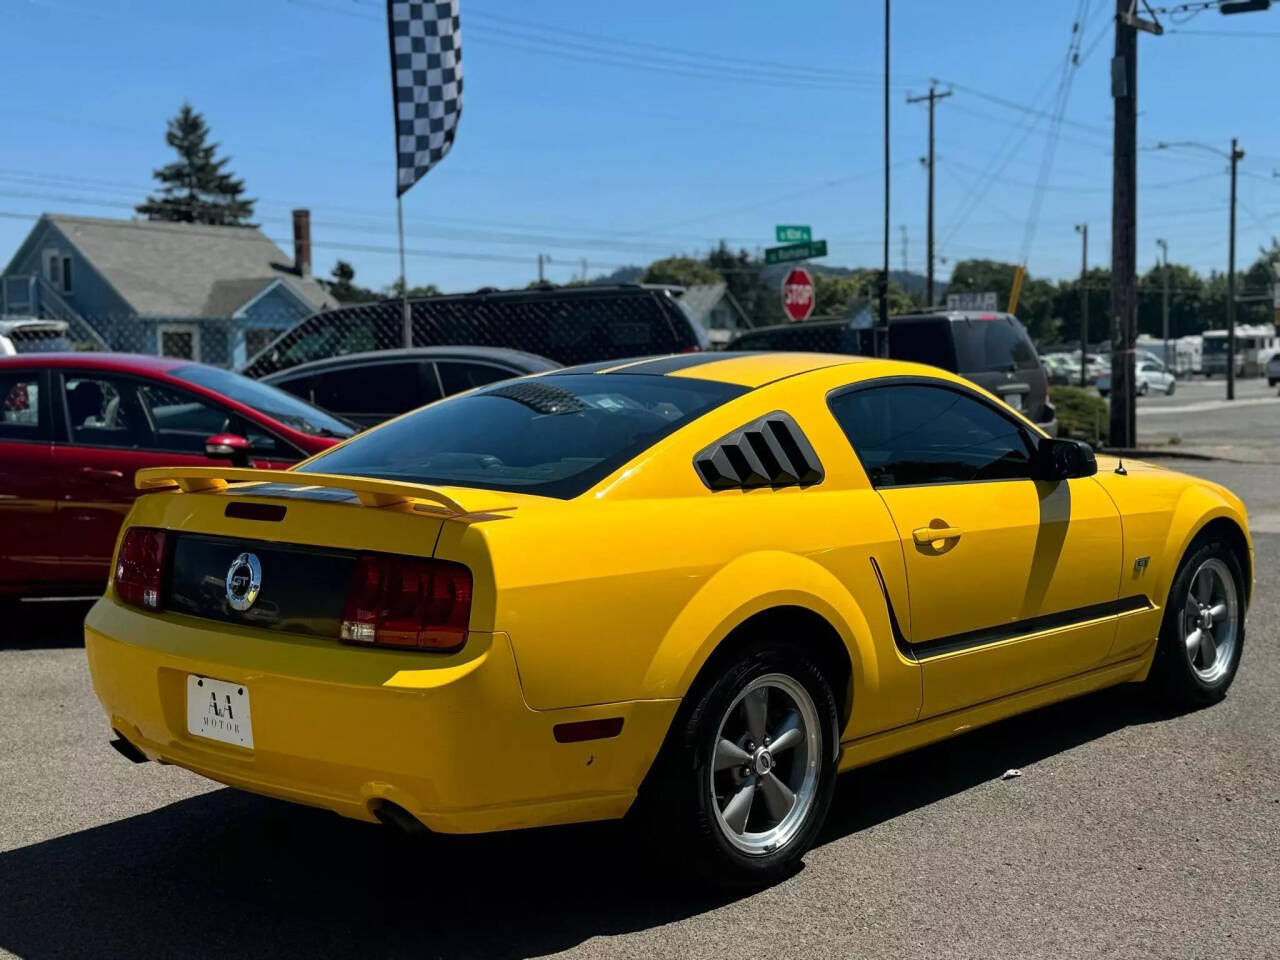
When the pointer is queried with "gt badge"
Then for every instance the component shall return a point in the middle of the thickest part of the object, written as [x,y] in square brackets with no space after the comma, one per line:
[244,580]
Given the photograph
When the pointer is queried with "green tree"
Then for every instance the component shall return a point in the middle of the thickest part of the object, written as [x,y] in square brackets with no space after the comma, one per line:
[197,188]
[1066,307]
[681,272]
[343,286]
[427,290]
[1186,307]
[1035,302]
[841,295]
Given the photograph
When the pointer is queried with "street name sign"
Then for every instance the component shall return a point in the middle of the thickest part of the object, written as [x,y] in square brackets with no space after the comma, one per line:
[796,251]
[797,294]
[793,234]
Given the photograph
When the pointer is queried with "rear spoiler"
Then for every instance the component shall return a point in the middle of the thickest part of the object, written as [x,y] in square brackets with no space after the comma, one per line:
[369,491]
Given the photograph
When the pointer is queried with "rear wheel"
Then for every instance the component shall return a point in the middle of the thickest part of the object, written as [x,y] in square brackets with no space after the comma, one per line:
[746,778]
[1172,386]
[1202,636]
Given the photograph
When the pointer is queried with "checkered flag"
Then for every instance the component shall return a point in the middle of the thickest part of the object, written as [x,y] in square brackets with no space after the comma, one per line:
[426,82]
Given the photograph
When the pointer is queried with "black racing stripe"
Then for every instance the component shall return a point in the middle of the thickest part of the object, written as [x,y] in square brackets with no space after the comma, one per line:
[1008,631]
[684,361]
[899,640]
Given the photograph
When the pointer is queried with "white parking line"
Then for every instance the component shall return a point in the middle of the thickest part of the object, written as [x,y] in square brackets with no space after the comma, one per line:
[1206,405]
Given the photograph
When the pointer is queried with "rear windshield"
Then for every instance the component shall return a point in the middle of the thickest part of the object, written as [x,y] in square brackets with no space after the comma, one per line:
[554,435]
[999,344]
[39,341]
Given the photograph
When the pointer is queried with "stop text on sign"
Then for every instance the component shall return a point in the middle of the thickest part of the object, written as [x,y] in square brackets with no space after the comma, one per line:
[797,295]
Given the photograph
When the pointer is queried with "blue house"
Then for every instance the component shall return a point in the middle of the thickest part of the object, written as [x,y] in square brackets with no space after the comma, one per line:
[213,294]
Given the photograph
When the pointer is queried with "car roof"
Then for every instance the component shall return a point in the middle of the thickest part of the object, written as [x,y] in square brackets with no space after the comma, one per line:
[90,360]
[518,359]
[31,323]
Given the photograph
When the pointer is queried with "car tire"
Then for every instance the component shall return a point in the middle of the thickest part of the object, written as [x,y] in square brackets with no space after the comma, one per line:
[1272,383]
[717,801]
[1173,384]
[1191,669]
[1144,388]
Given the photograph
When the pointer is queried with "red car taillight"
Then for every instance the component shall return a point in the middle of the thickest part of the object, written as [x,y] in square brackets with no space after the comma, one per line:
[140,567]
[407,602]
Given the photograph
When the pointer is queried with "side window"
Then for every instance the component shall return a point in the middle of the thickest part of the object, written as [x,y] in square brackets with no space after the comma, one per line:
[182,421]
[459,375]
[22,408]
[379,390]
[914,434]
[104,411]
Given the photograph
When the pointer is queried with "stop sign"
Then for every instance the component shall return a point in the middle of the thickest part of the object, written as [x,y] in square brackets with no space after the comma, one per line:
[797,294]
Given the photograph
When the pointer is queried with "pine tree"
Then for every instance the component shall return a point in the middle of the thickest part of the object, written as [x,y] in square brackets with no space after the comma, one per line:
[197,188]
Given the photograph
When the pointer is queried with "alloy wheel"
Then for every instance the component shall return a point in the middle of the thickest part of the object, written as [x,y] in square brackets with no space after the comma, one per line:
[767,760]
[1209,622]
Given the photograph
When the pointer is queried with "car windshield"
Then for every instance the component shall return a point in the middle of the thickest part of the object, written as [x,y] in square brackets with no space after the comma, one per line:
[268,400]
[556,435]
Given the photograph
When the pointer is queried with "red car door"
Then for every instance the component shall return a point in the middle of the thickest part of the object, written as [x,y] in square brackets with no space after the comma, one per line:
[28,526]
[118,425]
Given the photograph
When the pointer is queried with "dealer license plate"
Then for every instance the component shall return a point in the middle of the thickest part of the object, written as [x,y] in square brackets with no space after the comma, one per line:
[219,710]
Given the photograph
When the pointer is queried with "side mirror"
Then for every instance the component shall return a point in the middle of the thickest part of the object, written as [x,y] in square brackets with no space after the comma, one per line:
[228,446]
[1058,459]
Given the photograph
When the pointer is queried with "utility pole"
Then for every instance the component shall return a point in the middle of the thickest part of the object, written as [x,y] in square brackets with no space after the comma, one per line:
[1236,155]
[903,228]
[1164,298]
[584,269]
[1083,230]
[882,322]
[1124,216]
[932,97]
[543,258]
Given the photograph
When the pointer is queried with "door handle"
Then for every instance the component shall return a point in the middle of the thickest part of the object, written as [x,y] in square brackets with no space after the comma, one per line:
[102,472]
[928,535]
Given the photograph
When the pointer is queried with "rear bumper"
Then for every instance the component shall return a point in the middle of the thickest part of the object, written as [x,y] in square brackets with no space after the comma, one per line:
[449,739]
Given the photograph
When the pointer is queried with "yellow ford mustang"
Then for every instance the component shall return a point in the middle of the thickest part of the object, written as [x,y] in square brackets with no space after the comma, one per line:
[700,585]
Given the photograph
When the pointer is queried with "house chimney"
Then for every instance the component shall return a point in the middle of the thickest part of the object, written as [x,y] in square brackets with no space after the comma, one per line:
[302,242]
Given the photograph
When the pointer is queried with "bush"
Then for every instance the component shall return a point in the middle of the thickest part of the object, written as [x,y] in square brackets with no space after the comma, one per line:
[1081,415]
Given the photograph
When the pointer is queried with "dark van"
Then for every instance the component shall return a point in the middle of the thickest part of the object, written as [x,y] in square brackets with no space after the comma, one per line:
[991,349]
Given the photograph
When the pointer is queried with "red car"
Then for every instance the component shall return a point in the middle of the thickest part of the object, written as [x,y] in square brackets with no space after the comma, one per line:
[76,427]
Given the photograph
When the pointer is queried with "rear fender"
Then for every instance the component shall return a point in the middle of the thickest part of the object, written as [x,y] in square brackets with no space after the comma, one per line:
[732,596]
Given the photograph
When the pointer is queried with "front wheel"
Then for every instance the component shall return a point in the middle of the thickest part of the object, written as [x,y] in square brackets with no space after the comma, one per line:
[1172,386]
[1202,635]
[746,778]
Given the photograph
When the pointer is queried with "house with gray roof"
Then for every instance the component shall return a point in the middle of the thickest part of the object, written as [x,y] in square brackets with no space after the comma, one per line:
[716,309]
[207,293]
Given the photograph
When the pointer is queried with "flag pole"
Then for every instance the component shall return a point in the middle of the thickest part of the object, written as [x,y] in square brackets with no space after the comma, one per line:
[405,314]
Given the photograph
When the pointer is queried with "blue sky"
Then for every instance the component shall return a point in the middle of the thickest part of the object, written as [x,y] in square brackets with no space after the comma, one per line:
[621,133]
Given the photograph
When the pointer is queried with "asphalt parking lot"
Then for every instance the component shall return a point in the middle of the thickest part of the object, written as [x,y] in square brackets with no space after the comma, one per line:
[1130,833]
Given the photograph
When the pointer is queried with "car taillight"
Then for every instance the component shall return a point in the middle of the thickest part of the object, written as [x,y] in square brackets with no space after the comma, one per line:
[407,602]
[140,567]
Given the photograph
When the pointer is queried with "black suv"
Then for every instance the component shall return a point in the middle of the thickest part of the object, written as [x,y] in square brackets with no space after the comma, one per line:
[991,349]
[566,324]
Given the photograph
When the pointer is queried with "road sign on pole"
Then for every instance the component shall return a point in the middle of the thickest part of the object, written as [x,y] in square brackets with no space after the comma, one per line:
[792,233]
[796,251]
[797,294]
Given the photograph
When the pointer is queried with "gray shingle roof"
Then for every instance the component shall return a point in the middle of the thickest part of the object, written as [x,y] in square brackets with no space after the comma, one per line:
[185,270]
